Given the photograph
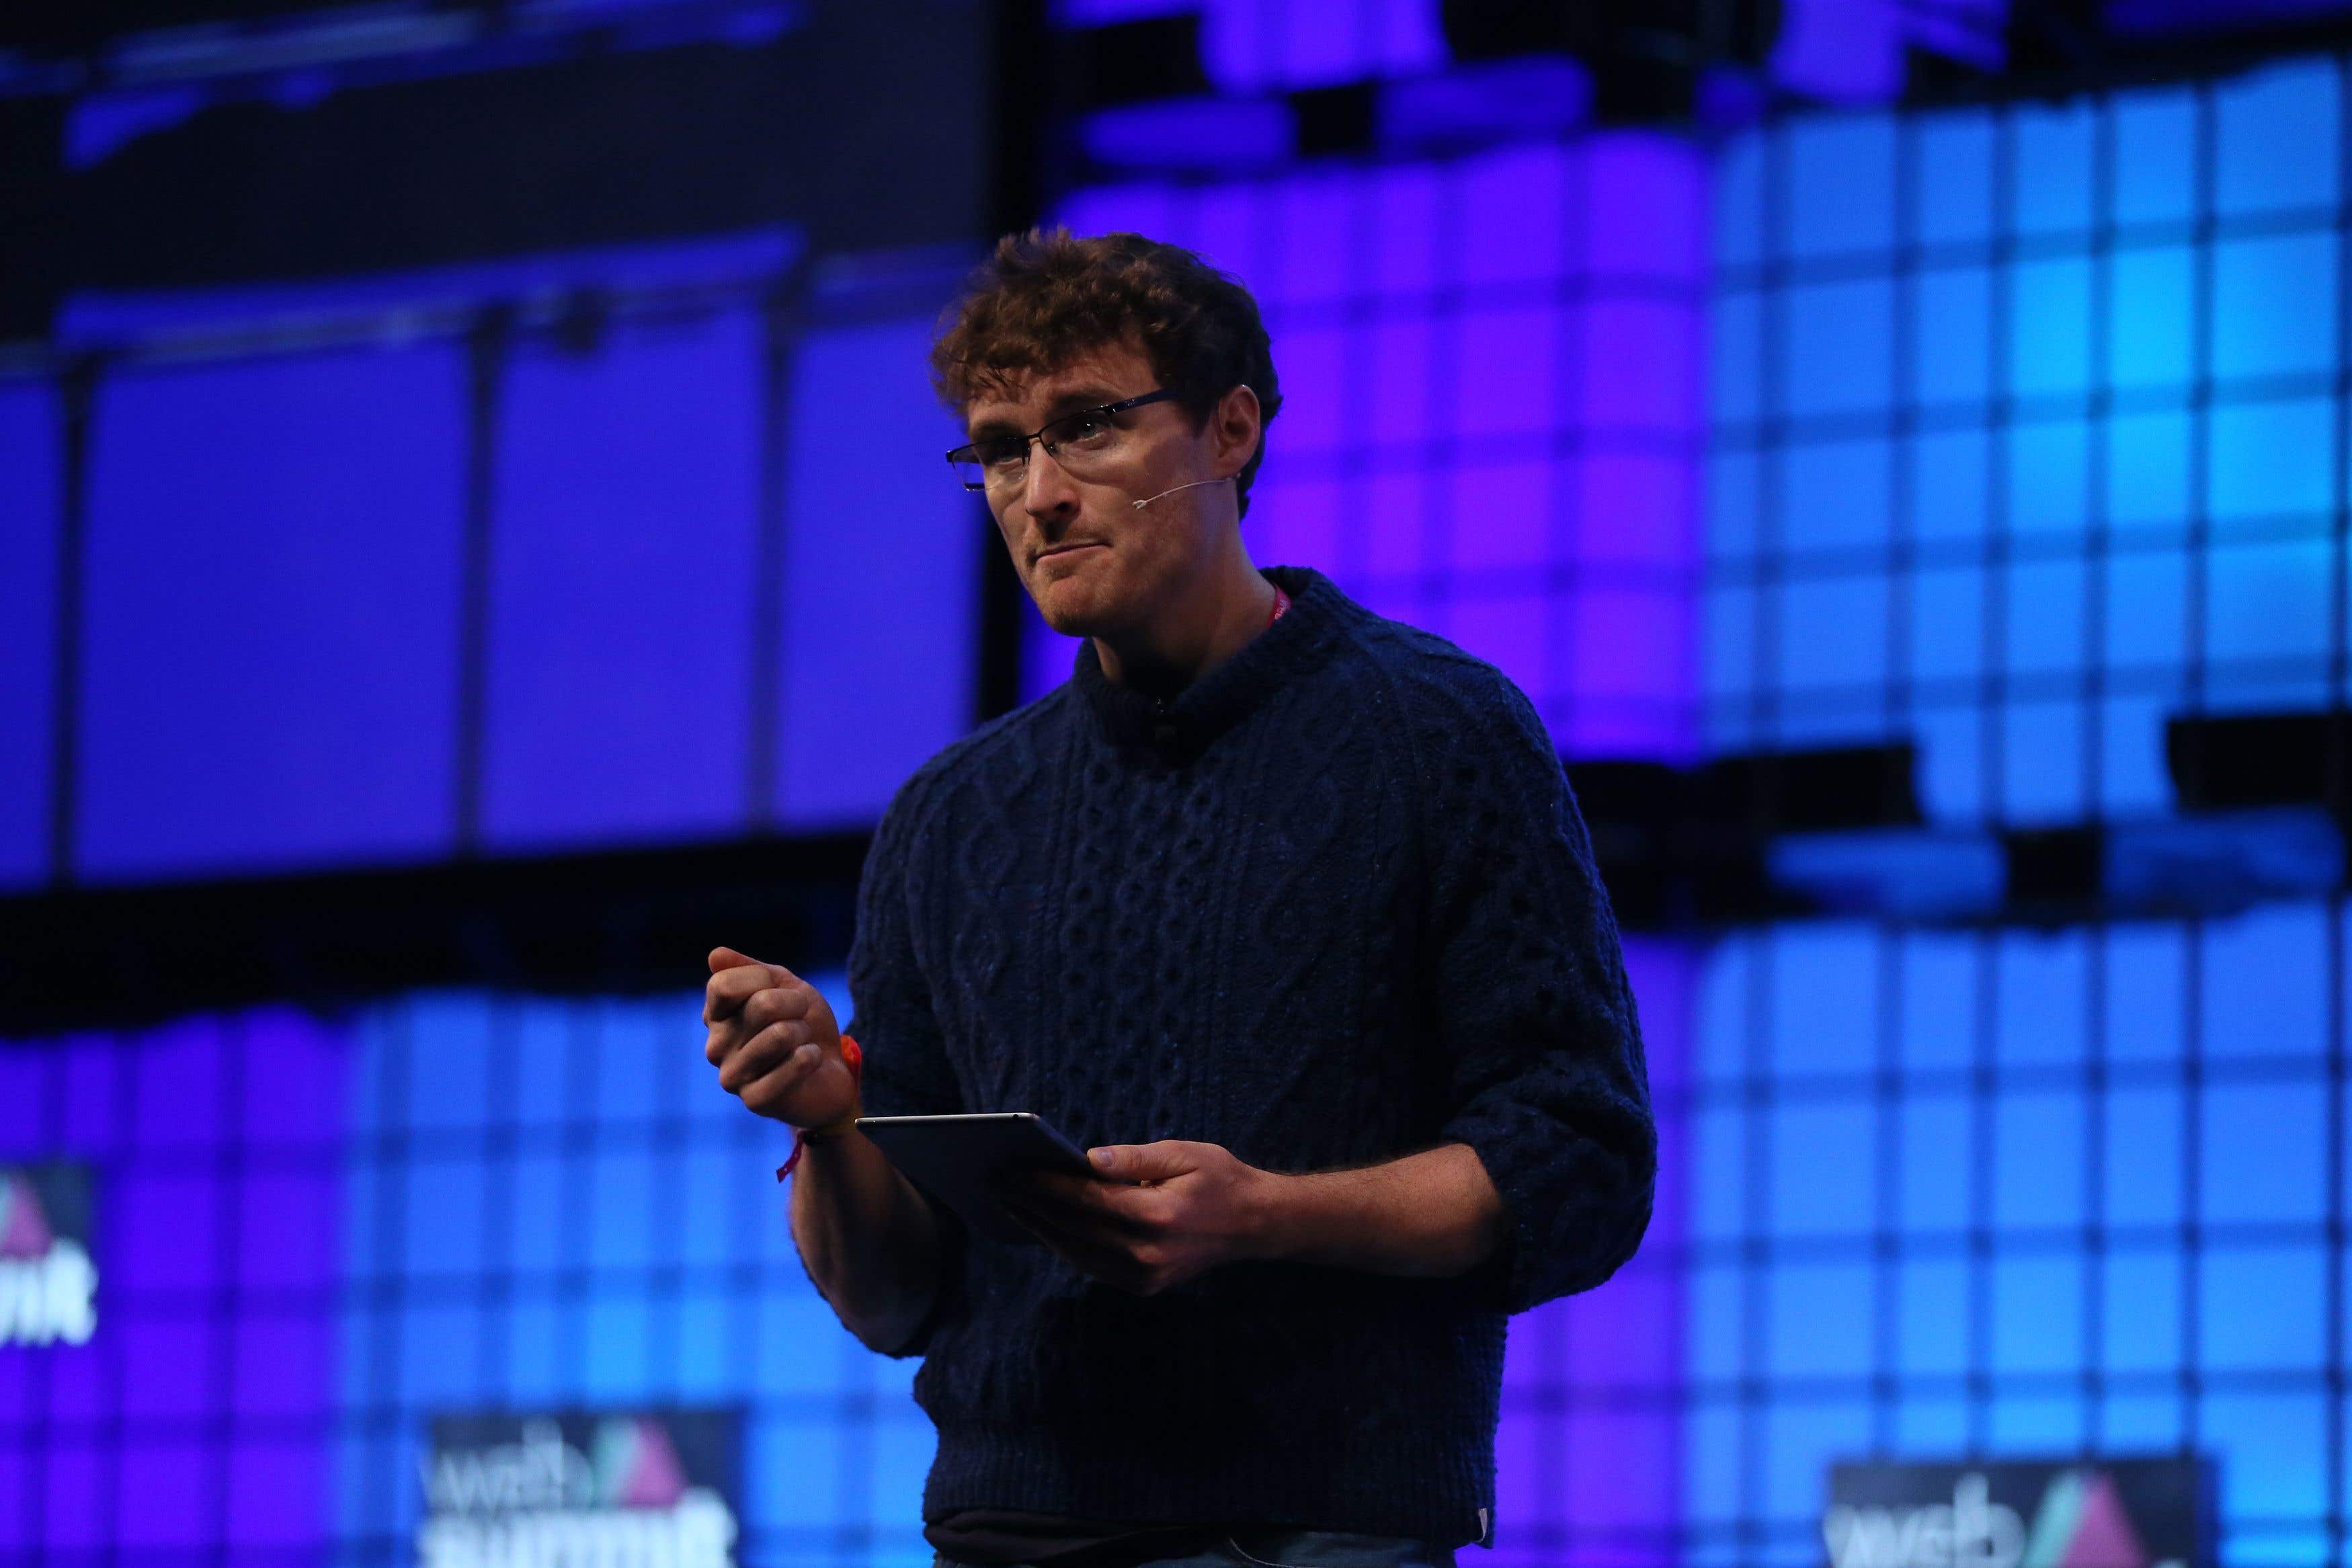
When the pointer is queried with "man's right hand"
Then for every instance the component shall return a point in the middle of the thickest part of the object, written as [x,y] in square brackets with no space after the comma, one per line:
[774,1042]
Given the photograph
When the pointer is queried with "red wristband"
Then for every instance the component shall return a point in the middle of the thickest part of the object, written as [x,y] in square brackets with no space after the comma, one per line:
[856,1060]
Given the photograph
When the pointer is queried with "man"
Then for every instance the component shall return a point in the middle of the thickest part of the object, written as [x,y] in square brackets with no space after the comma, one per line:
[1281,908]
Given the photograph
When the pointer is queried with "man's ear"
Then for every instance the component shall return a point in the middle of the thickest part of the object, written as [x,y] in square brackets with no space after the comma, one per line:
[1237,425]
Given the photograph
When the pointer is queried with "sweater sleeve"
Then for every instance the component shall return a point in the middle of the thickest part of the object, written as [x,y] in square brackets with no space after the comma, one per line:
[1542,1058]
[906,1071]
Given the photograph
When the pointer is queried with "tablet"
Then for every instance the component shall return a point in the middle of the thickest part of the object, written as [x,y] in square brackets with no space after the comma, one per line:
[951,1159]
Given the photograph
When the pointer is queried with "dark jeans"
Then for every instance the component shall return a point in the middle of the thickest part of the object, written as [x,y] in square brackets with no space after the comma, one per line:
[1299,1549]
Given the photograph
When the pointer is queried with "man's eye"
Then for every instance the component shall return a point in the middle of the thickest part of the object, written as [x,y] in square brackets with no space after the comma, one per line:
[1084,428]
[998,453]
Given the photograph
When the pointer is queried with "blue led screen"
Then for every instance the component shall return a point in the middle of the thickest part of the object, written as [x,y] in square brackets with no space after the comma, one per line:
[2027,436]
[2022,435]
[317,1233]
[882,552]
[624,544]
[29,555]
[330,1230]
[554,1206]
[2017,1192]
[1254,44]
[1834,51]
[1494,439]
[197,1417]
[2013,430]
[395,596]
[270,590]
[2020,444]
[312,1235]
[1259,44]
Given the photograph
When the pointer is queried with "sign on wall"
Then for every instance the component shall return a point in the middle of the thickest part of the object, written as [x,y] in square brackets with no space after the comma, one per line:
[48,1285]
[2108,1513]
[651,1489]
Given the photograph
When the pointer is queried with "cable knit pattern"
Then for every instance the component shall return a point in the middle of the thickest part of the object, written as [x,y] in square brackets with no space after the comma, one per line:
[1330,905]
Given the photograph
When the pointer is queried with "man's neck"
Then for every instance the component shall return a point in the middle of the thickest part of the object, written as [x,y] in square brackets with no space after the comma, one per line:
[1193,641]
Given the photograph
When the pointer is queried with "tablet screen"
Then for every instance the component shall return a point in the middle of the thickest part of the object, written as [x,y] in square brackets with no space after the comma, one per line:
[951,1158]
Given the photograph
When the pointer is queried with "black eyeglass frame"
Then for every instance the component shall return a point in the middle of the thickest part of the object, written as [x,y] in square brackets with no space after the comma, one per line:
[969,451]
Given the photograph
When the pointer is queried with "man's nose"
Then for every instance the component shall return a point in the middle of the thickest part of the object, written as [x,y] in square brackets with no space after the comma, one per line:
[1045,486]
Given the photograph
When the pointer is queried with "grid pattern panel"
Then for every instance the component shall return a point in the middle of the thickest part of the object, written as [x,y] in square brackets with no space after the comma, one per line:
[1496,438]
[311,1239]
[554,1206]
[196,1425]
[2028,431]
[2019,1193]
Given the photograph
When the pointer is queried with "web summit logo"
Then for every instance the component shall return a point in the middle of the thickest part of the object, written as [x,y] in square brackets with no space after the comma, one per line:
[49,1286]
[2121,1513]
[651,1489]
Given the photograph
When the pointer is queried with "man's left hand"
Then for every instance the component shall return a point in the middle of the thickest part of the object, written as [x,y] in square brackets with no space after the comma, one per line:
[1152,1215]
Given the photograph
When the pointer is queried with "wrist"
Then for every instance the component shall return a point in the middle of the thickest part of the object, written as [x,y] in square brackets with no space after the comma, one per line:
[1269,1209]
[846,1122]
[840,1128]
[834,1130]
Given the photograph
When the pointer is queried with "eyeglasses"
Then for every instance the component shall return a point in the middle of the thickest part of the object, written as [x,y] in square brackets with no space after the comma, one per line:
[1088,443]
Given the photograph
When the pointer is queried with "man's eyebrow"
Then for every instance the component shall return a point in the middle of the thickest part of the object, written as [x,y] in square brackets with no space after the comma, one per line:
[1092,394]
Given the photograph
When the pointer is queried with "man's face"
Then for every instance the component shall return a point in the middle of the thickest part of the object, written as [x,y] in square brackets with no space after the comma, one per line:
[1096,565]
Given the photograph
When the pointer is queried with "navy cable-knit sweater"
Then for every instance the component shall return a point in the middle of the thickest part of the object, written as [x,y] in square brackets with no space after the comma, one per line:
[1329,905]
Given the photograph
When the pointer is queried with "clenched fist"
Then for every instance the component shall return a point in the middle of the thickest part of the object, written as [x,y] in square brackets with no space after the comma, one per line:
[774,1042]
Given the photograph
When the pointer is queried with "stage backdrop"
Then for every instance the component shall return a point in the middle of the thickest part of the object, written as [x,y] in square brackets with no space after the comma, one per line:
[353,605]
[2023,429]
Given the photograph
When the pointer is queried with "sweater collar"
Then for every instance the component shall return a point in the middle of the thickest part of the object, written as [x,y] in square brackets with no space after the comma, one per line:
[1185,724]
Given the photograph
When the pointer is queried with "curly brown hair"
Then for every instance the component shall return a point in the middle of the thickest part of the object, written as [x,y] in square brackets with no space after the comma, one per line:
[1046,296]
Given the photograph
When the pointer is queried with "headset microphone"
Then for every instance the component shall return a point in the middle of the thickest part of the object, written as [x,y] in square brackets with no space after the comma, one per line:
[1147,500]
